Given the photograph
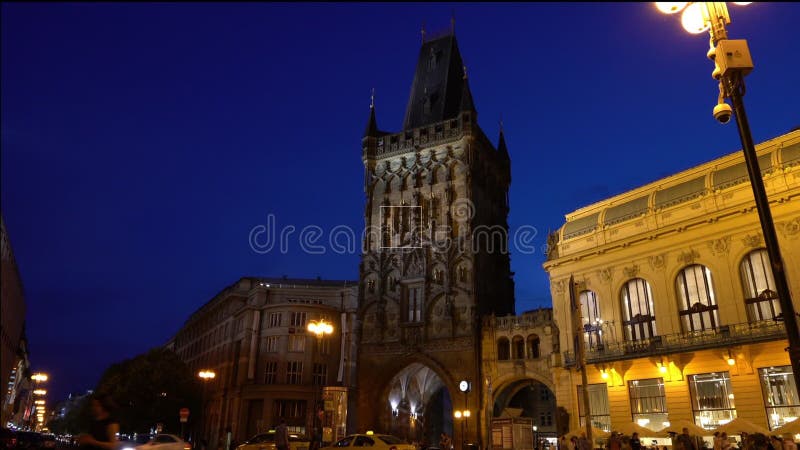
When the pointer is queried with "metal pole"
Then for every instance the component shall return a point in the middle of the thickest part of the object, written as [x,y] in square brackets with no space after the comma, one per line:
[735,89]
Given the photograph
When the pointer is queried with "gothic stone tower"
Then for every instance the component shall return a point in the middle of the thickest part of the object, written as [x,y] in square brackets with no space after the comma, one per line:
[435,258]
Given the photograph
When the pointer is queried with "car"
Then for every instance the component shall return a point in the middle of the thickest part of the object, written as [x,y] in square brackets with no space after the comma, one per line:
[266,441]
[376,441]
[133,441]
[165,442]
[8,439]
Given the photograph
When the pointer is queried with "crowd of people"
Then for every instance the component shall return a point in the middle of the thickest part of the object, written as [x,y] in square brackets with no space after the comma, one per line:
[685,441]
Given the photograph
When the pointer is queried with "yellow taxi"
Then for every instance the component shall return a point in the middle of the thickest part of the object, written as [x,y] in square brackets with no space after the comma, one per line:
[376,441]
[266,441]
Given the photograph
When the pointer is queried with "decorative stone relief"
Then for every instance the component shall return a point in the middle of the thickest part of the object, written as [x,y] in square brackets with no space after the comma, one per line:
[632,271]
[721,246]
[752,240]
[688,257]
[560,286]
[657,262]
[606,274]
[790,229]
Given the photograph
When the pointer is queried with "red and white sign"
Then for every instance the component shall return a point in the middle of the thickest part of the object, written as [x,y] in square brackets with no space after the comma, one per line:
[184,414]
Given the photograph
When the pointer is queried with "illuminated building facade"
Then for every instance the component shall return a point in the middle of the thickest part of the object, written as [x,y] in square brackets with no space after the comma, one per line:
[253,336]
[680,318]
[14,365]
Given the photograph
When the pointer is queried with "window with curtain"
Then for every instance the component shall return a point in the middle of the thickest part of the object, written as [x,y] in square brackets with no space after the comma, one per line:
[590,314]
[712,399]
[598,399]
[780,395]
[637,308]
[648,403]
[760,296]
[697,301]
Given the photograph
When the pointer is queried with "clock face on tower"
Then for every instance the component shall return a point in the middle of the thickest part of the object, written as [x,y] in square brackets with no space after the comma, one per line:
[463,386]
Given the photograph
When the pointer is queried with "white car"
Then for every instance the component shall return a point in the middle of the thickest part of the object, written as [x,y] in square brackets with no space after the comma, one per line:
[165,442]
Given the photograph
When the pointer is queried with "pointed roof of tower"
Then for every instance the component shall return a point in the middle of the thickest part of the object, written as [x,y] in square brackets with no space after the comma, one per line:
[466,95]
[372,124]
[438,87]
[501,144]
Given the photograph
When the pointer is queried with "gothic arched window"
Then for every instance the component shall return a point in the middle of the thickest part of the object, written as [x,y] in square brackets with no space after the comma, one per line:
[698,303]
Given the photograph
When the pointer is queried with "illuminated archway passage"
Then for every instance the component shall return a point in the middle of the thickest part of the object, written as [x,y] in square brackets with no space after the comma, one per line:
[420,404]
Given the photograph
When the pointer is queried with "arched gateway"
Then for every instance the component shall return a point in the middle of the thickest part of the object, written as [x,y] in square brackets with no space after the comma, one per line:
[420,405]
[435,257]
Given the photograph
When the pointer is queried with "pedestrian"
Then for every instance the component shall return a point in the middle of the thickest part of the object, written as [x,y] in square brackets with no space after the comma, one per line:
[725,443]
[686,440]
[583,442]
[103,432]
[717,441]
[636,444]
[282,436]
[776,442]
[788,442]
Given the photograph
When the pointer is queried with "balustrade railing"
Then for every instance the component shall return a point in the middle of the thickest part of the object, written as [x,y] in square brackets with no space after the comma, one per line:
[725,335]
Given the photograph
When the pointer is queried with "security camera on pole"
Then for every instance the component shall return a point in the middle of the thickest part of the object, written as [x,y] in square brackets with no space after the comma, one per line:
[732,62]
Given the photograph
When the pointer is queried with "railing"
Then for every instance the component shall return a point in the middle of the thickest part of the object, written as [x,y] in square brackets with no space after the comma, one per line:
[532,319]
[740,333]
[431,134]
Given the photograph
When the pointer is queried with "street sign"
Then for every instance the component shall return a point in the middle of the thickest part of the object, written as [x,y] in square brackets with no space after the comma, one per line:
[184,413]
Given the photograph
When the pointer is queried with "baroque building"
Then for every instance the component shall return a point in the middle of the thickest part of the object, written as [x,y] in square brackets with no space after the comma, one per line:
[435,255]
[680,317]
[253,335]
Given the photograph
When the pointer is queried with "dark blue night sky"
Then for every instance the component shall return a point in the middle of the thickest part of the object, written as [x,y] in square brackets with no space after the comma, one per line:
[142,142]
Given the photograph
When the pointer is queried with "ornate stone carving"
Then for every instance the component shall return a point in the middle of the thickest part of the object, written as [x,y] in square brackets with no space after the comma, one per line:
[657,262]
[752,240]
[560,286]
[632,271]
[606,274]
[721,246]
[688,257]
[790,229]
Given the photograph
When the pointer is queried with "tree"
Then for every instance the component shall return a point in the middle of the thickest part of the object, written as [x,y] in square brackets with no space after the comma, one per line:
[151,388]
[77,420]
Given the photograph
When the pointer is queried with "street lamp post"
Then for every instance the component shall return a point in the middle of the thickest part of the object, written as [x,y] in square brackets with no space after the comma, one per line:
[535,437]
[732,62]
[462,415]
[320,329]
[205,376]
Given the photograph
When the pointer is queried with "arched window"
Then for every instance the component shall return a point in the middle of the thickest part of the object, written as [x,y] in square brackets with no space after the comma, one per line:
[698,304]
[518,347]
[590,313]
[503,349]
[760,296]
[637,309]
[533,346]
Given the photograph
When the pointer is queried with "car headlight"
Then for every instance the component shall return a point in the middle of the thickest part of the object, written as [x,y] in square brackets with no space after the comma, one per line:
[128,448]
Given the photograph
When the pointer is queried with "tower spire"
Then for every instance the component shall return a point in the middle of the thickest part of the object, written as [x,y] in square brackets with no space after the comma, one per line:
[453,22]
[372,124]
[422,31]
[466,95]
[501,142]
